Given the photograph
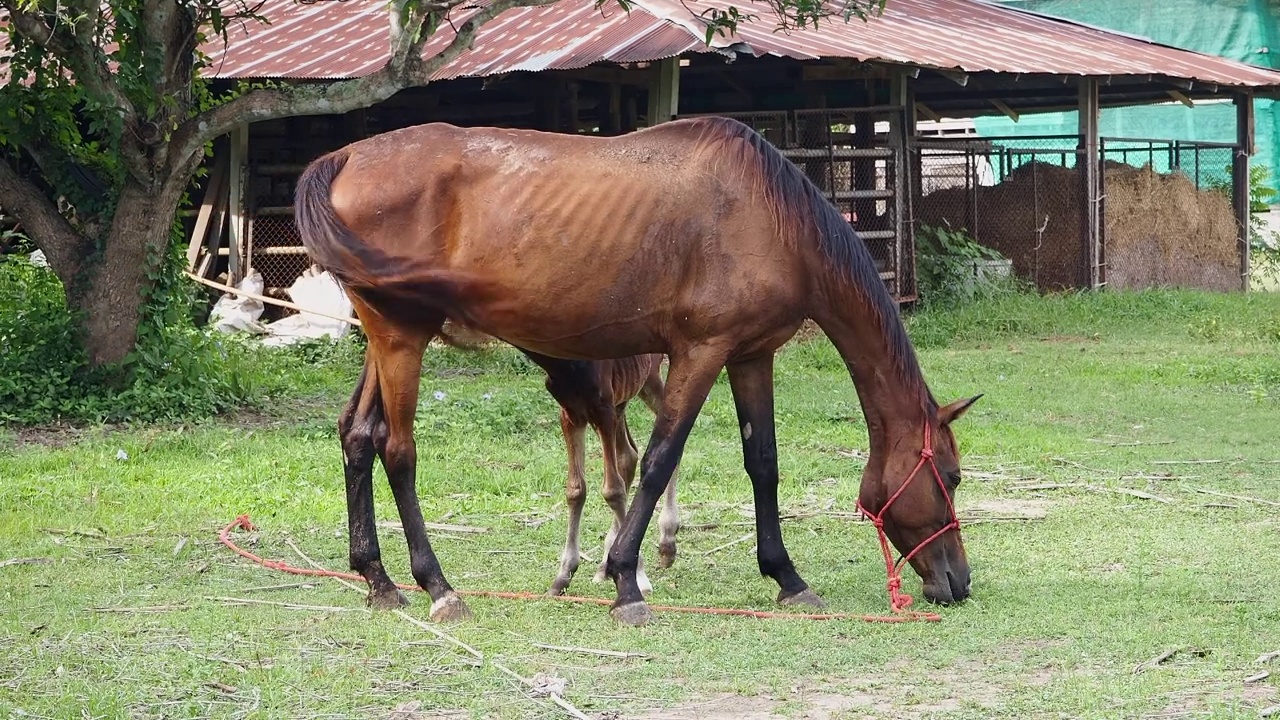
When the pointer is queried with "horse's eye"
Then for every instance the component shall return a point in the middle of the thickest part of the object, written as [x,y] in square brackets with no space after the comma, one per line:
[953,478]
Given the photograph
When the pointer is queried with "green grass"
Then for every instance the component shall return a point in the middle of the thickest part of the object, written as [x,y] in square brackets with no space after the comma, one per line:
[1090,390]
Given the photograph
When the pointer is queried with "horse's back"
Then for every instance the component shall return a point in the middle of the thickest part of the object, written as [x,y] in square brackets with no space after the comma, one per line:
[622,235]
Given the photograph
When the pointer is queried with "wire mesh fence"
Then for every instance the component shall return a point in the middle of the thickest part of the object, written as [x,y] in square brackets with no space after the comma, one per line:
[1165,208]
[276,252]
[1168,218]
[1018,196]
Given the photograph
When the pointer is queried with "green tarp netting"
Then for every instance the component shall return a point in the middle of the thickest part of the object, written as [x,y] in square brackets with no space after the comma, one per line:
[1243,30]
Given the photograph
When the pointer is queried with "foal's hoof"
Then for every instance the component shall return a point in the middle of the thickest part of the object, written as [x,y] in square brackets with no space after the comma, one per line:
[450,608]
[804,597]
[666,555]
[386,599]
[642,581]
[635,614]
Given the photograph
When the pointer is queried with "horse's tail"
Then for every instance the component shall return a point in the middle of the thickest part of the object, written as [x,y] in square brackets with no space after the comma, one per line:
[372,272]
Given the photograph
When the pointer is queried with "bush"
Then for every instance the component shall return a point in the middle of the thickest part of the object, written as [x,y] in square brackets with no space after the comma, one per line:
[177,371]
[41,363]
[952,267]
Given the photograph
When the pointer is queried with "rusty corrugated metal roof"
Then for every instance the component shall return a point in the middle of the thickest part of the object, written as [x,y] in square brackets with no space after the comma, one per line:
[975,36]
[334,40]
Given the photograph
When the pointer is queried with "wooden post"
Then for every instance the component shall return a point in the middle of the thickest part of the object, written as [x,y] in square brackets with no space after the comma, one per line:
[615,110]
[236,202]
[1088,164]
[355,125]
[664,91]
[213,197]
[902,126]
[1240,178]
[629,112]
[574,110]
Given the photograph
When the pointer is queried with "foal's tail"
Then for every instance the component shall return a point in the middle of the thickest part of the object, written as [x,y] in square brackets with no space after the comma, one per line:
[370,271]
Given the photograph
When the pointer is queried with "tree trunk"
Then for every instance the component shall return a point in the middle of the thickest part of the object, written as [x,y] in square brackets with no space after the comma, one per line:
[110,293]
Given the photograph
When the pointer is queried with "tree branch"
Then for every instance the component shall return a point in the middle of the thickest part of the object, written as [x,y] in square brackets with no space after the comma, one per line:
[404,69]
[42,222]
[78,47]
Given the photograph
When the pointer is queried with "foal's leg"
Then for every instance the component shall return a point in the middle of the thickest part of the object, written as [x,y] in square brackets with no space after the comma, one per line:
[617,485]
[669,520]
[752,385]
[627,459]
[399,358]
[575,495]
[361,429]
[688,382]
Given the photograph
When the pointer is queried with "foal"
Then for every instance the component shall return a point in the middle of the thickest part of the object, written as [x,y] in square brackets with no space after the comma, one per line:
[596,394]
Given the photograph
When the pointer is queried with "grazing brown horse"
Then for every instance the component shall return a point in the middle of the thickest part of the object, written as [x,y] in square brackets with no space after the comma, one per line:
[695,238]
[597,393]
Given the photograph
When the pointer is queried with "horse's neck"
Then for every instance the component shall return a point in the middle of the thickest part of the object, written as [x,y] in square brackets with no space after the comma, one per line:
[893,402]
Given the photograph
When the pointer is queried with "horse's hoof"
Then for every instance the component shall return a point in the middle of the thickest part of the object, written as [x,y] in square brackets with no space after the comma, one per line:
[386,599]
[635,614]
[804,597]
[558,587]
[600,576]
[450,608]
[666,555]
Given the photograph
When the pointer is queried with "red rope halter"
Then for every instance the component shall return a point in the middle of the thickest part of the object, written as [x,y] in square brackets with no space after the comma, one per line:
[899,600]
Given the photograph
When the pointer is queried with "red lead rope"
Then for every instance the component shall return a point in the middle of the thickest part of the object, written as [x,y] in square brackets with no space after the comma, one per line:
[899,600]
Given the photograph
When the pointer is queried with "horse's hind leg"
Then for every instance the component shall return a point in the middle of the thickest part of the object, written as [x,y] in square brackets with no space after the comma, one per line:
[752,385]
[398,354]
[361,429]
[669,520]
[575,496]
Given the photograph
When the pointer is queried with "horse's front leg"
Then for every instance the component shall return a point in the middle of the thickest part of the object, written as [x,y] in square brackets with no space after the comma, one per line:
[752,385]
[619,468]
[688,382]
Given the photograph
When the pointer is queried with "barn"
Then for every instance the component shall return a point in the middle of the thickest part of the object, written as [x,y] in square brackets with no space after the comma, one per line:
[872,112]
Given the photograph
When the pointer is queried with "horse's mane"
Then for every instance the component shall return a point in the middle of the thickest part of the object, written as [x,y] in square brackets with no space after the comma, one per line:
[797,205]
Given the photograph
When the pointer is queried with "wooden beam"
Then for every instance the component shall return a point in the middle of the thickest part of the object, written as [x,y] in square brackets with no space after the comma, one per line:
[928,113]
[1240,178]
[1182,98]
[236,200]
[213,196]
[959,78]
[609,75]
[1089,161]
[1008,111]
[664,91]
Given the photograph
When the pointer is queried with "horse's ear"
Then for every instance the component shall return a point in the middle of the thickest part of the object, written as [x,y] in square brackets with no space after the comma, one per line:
[949,413]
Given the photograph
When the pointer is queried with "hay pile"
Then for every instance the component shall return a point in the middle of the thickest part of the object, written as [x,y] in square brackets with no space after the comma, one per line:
[1160,230]
[1163,232]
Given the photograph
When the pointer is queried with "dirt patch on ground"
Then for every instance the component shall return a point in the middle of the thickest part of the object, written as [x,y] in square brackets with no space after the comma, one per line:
[1006,509]
[819,706]
[904,698]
